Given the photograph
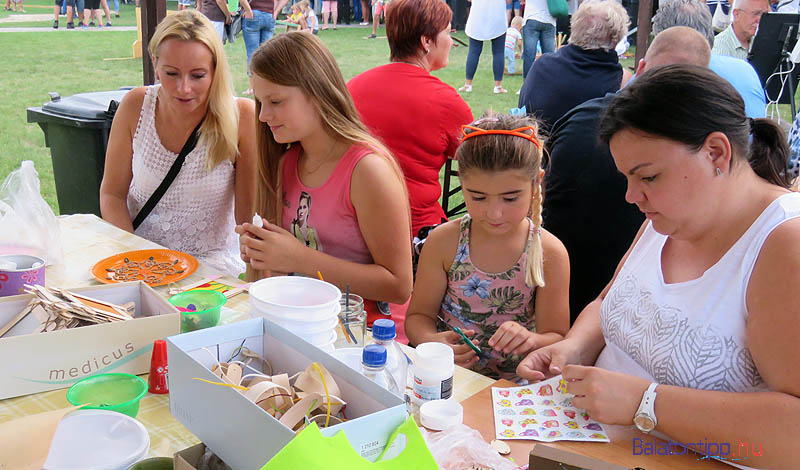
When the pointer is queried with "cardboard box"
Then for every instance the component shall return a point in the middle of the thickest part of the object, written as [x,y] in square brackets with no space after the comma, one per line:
[241,433]
[36,362]
[189,458]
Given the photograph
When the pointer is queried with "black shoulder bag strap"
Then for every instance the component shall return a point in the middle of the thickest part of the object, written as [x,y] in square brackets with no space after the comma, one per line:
[190,144]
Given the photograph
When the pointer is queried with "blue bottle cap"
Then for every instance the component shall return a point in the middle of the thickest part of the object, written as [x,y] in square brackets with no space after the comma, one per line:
[374,355]
[383,329]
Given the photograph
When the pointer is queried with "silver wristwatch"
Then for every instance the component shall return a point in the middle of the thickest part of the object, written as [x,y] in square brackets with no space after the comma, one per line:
[645,417]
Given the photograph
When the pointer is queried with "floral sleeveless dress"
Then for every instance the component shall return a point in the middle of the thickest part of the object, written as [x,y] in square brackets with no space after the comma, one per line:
[482,301]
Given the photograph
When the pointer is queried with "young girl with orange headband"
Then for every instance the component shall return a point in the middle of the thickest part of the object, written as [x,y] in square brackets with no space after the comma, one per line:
[486,272]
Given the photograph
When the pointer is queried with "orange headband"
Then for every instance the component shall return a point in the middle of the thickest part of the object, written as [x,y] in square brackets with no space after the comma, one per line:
[519,132]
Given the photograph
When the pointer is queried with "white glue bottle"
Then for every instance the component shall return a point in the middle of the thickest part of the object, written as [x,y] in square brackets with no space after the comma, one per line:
[433,373]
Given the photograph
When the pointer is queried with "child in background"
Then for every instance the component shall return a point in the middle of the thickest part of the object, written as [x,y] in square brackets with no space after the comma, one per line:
[378,8]
[486,272]
[297,16]
[321,169]
[312,24]
[513,43]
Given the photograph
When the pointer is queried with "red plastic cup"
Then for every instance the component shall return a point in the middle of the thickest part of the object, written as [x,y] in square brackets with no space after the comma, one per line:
[158,368]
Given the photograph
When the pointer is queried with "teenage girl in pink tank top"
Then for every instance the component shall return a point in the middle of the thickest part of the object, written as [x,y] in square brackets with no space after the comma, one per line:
[332,196]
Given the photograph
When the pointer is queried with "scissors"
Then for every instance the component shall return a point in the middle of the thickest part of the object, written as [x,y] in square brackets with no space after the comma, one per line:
[464,337]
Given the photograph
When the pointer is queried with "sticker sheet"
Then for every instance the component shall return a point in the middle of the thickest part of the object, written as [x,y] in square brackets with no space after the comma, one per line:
[543,412]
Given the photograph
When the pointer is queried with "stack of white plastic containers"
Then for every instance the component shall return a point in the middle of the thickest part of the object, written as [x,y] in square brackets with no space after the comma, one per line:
[307,307]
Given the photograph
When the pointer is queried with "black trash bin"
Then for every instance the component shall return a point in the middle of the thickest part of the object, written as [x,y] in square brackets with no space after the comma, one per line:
[76,130]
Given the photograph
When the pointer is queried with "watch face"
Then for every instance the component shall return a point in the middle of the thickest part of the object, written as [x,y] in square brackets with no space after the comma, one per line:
[644,423]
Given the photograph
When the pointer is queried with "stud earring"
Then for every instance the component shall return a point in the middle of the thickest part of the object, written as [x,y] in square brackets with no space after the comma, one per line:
[427,51]
[718,171]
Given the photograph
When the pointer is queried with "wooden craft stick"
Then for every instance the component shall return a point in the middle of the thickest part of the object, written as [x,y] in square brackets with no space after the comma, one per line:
[24,313]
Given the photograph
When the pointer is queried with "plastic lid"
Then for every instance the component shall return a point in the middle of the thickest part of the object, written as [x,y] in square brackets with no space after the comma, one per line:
[437,415]
[374,355]
[383,329]
[92,105]
[97,439]
[434,356]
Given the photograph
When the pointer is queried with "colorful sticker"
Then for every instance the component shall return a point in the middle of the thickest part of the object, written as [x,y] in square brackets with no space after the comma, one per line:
[514,418]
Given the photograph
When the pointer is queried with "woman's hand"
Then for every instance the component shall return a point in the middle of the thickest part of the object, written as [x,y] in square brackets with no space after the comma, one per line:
[550,360]
[270,248]
[512,337]
[463,354]
[608,397]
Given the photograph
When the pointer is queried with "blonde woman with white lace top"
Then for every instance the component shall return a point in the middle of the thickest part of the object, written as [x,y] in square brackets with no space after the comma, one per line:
[215,187]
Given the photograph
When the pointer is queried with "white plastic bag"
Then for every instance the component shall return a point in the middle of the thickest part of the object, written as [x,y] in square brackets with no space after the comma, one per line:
[720,20]
[27,224]
[458,447]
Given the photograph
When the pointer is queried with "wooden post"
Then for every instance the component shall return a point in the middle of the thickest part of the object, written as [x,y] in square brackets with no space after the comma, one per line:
[643,33]
[153,11]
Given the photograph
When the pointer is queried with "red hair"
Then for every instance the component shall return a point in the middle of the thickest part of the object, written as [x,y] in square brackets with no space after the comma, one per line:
[409,20]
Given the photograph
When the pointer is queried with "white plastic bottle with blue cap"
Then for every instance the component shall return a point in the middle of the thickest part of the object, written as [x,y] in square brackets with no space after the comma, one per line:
[373,366]
[383,333]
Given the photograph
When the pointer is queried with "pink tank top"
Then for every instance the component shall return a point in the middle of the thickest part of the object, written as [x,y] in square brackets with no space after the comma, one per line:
[324,217]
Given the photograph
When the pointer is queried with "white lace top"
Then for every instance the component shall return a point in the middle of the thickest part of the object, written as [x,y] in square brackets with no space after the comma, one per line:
[195,215]
[688,334]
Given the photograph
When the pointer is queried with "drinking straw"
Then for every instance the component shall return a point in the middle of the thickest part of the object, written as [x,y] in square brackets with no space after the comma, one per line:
[347,314]
[345,328]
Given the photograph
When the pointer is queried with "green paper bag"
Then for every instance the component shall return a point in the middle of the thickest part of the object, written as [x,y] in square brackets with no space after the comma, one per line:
[310,449]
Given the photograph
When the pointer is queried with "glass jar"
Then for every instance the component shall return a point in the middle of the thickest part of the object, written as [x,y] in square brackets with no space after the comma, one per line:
[353,319]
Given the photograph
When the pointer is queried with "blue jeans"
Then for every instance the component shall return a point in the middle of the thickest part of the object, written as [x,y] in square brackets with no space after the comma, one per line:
[533,33]
[356,10]
[474,54]
[256,31]
[509,53]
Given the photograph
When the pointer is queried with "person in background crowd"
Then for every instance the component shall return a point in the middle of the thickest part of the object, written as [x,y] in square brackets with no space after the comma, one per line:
[486,22]
[378,9]
[215,186]
[539,32]
[585,206]
[512,10]
[260,27]
[740,74]
[330,8]
[513,43]
[588,67]
[70,11]
[736,39]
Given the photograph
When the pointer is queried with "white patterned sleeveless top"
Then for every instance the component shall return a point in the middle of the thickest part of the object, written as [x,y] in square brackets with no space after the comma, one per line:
[689,334]
[195,215]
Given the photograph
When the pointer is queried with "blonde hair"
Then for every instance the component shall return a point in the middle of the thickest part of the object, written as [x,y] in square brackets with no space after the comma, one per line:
[301,60]
[220,128]
[500,152]
[599,25]
[517,22]
[303,5]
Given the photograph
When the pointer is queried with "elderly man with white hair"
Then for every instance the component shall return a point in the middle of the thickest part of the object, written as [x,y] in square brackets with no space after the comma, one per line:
[588,67]
[737,38]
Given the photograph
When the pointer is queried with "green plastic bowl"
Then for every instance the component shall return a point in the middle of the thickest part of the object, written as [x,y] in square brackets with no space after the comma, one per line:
[113,392]
[208,304]
[155,463]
